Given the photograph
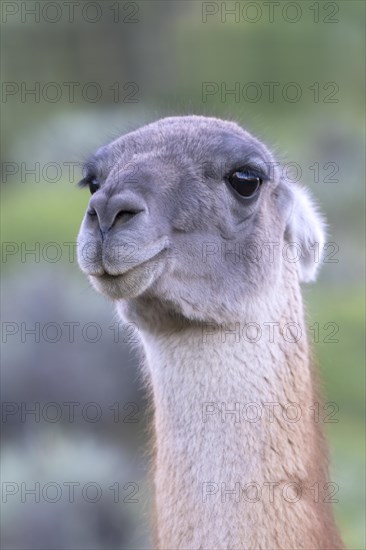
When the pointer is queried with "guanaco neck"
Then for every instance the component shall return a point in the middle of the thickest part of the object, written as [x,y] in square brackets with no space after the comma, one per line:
[239,459]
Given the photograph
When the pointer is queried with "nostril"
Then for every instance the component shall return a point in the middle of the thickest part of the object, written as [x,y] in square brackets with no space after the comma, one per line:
[125,215]
[115,211]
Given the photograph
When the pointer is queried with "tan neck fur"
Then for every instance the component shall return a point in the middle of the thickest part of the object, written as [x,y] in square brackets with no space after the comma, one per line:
[203,451]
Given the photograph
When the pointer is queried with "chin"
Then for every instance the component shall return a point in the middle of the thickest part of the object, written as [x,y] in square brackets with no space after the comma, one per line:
[130,284]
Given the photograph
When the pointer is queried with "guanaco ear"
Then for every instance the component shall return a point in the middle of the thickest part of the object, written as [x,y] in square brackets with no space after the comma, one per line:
[306,229]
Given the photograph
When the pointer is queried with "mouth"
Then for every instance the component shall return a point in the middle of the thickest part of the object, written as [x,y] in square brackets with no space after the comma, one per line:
[132,281]
[117,259]
[106,276]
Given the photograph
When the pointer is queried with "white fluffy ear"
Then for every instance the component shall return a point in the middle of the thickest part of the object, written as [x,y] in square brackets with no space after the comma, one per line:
[306,228]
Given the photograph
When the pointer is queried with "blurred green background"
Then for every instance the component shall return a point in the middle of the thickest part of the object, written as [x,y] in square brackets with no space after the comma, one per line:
[130,63]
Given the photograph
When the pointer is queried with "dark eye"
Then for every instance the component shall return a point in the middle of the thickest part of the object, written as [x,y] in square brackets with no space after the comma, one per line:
[244,182]
[93,184]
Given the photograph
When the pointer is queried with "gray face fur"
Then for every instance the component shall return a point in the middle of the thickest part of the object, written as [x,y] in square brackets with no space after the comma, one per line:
[166,227]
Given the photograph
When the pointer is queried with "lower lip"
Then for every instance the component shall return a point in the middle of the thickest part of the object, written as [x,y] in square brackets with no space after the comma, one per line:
[109,277]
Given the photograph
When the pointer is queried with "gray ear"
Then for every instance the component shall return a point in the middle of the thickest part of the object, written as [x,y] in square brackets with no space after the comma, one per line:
[306,229]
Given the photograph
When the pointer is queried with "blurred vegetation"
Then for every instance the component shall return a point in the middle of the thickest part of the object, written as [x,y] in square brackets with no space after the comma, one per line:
[169,53]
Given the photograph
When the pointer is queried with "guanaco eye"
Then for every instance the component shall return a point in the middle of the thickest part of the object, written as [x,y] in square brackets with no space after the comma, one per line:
[245,183]
[93,185]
